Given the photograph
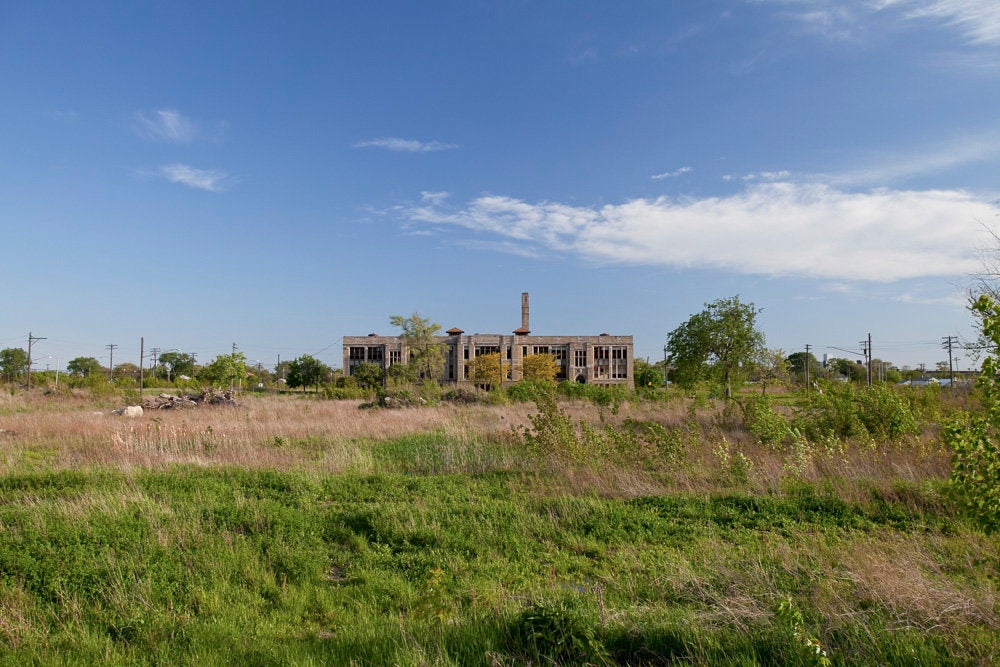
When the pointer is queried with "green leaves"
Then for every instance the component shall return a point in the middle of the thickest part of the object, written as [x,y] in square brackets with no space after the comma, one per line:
[975,468]
[719,343]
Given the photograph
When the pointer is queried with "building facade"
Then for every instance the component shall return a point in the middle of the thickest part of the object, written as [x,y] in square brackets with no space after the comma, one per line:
[602,359]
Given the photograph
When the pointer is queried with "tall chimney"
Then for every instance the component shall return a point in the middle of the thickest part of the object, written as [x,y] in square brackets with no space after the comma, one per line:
[524,311]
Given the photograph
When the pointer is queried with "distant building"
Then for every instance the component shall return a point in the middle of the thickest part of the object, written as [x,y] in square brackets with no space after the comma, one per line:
[602,359]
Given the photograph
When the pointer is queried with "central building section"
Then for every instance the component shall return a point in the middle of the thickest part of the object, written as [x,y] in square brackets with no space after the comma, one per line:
[602,359]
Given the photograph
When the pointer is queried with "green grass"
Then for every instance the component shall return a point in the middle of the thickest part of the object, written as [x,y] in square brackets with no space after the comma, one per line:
[229,566]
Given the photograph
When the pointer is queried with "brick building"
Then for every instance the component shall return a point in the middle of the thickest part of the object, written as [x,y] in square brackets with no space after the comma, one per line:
[602,359]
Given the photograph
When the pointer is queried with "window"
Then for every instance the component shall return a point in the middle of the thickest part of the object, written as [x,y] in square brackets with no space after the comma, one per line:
[357,354]
[580,358]
[487,349]
[602,362]
[619,362]
[561,354]
[541,349]
[395,357]
[376,355]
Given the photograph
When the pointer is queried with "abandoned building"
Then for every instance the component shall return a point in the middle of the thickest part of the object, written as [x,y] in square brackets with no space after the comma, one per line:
[602,359]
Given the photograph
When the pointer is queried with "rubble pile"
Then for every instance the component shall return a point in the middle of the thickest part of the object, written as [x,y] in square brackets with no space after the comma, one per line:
[207,397]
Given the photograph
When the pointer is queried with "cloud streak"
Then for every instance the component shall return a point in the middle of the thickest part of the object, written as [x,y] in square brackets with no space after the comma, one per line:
[165,125]
[398,145]
[772,229]
[210,180]
[672,174]
[978,20]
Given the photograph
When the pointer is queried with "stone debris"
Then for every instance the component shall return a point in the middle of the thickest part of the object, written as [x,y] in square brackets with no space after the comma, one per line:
[207,397]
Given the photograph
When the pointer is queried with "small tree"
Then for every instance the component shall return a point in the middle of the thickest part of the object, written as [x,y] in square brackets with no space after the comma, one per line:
[799,362]
[177,363]
[488,370]
[648,375]
[771,367]
[225,368]
[84,367]
[13,363]
[420,337]
[306,371]
[368,375]
[975,468]
[543,367]
[718,343]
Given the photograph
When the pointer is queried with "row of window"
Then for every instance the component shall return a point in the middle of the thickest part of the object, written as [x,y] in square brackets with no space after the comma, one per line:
[610,361]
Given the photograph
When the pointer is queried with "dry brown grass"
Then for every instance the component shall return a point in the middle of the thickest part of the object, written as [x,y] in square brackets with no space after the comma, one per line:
[284,432]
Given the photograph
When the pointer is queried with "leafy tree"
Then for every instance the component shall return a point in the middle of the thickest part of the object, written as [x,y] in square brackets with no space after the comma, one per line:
[974,438]
[13,363]
[719,343]
[420,336]
[306,371]
[126,369]
[771,367]
[542,367]
[852,370]
[84,366]
[225,368]
[799,361]
[368,375]
[177,363]
[647,374]
[487,370]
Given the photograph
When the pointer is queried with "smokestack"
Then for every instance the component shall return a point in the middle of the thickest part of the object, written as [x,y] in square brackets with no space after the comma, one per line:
[524,330]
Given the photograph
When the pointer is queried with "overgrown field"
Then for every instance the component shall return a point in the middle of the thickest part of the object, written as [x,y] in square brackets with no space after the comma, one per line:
[292,531]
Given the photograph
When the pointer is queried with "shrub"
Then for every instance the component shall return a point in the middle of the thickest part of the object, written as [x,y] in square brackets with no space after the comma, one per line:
[556,633]
[766,426]
[975,471]
[884,414]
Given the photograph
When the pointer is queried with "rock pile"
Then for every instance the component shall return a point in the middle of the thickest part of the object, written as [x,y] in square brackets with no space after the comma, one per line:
[207,397]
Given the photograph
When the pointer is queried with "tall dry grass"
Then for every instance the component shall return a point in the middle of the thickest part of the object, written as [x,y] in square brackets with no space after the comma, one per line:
[293,433]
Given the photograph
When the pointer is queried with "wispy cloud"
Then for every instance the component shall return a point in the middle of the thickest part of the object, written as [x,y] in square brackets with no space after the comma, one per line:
[210,180]
[978,20]
[774,229]
[767,176]
[406,145]
[956,152]
[672,174]
[167,125]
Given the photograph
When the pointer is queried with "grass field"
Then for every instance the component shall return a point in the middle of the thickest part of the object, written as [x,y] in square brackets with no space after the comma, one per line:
[293,531]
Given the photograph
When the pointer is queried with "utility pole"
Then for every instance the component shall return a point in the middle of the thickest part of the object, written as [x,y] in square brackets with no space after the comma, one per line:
[142,353]
[869,359]
[154,351]
[866,350]
[234,365]
[947,342]
[111,361]
[31,340]
[808,347]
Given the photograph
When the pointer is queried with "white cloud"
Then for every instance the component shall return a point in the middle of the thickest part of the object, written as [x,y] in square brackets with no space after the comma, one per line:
[166,125]
[765,176]
[436,198]
[672,174]
[774,229]
[957,152]
[405,145]
[211,180]
[978,20]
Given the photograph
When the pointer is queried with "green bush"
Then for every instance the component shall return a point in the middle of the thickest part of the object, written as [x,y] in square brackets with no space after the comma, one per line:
[885,414]
[975,469]
[556,633]
[766,426]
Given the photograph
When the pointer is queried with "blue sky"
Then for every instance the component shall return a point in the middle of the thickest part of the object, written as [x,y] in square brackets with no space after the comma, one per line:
[281,175]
